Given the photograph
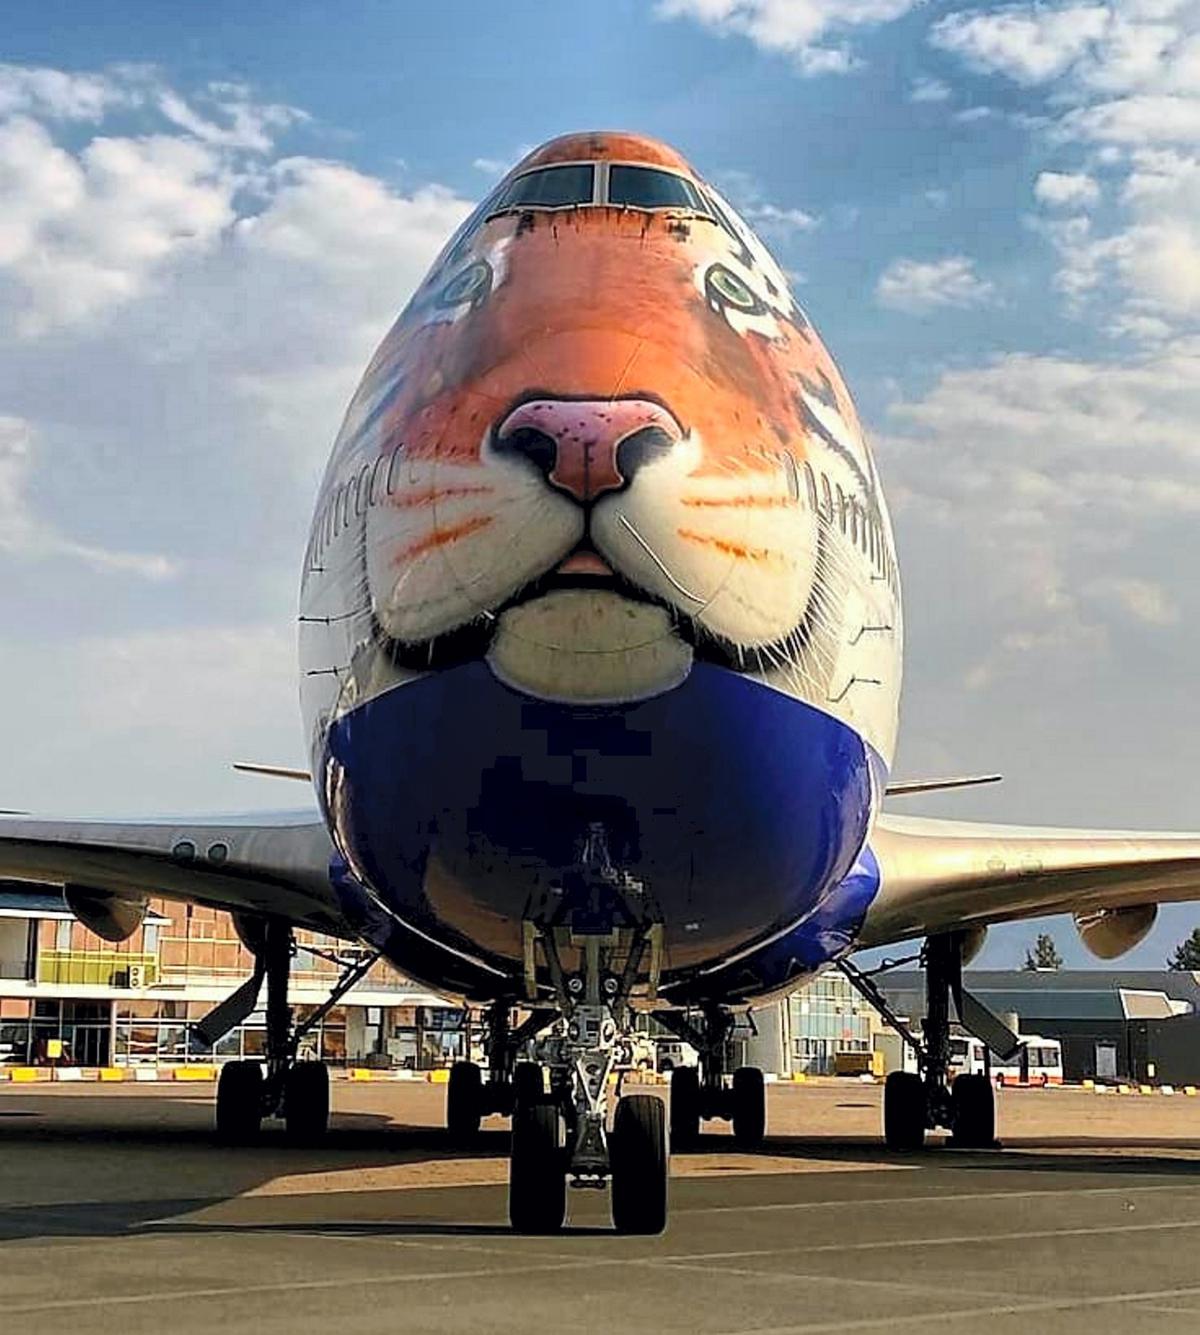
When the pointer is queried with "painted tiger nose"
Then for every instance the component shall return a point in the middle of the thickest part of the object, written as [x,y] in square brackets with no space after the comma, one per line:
[586,447]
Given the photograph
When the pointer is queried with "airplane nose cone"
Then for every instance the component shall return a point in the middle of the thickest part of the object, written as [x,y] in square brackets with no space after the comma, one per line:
[586,447]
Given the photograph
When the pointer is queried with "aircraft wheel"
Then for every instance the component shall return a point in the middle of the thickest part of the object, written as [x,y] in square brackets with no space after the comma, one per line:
[749,1107]
[974,1111]
[639,1161]
[306,1101]
[537,1169]
[904,1111]
[464,1100]
[529,1084]
[239,1102]
[685,1107]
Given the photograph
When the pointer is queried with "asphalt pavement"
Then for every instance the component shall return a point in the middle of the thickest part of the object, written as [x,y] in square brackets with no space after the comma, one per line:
[117,1214]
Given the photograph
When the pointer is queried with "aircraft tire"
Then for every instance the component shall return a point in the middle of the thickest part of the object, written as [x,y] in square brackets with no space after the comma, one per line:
[537,1169]
[464,1101]
[239,1102]
[974,1110]
[749,1108]
[904,1111]
[529,1084]
[306,1101]
[639,1160]
[685,1107]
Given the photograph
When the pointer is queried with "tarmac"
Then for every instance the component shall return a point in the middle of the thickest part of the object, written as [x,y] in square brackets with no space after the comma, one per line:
[118,1214]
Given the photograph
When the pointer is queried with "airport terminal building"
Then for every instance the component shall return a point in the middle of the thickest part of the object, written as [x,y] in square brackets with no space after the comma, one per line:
[67,995]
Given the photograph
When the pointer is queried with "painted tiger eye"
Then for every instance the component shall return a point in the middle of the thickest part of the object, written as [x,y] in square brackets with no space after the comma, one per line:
[730,288]
[470,285]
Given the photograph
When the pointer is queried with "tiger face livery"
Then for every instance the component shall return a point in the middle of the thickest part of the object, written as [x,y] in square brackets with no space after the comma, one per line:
[602,443]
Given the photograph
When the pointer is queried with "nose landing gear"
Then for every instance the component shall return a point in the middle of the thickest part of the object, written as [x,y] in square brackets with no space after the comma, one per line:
[597,936]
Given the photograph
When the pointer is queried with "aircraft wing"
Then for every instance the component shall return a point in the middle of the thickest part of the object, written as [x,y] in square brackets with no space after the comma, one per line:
[265,865]
[942,875]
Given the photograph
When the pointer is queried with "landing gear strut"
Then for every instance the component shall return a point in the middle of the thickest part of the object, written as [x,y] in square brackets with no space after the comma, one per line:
[915,1103]
[283,1086]
[710,1091]
[598,934]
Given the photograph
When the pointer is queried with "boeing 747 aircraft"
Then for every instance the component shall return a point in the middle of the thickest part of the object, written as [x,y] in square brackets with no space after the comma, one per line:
[600,660]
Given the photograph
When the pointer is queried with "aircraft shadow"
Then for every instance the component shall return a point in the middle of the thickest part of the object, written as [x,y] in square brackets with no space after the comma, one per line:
[102,1148]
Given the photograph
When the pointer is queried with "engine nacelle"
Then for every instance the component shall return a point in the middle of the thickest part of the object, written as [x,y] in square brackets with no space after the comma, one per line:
[1108,933]
[972,943]
[111,916]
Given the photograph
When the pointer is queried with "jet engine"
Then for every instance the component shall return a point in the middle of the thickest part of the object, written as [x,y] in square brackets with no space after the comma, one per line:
[1108,933]
[972,943]
[111,916]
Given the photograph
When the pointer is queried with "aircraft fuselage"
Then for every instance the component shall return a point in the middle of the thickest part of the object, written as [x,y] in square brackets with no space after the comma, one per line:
[601,545]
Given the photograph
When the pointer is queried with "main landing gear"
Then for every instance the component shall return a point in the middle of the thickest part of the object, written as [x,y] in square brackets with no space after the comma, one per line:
[709,1090]
[597,935]
[915,1103]
[470,1098]
[283,1086]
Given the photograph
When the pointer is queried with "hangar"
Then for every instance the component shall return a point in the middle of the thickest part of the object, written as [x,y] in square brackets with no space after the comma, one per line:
[1139,1025]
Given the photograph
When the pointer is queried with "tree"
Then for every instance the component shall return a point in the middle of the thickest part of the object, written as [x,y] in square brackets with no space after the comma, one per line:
[1187,953]
[1044,954]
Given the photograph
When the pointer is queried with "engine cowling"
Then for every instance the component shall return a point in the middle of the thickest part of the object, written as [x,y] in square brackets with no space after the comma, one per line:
[111,916]
[1108,933]
[972,943]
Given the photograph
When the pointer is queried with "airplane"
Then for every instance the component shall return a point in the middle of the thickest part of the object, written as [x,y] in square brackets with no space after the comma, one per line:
[600,662]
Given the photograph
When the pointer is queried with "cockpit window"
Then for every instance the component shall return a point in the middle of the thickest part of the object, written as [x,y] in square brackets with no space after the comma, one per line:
[550,188]
[647,188]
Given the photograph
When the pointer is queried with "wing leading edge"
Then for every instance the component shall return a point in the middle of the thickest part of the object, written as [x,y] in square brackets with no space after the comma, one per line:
[940,875]
[280,868]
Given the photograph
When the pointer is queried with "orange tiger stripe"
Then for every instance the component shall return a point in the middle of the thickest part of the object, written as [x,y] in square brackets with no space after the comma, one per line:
[737,549]
[440,537]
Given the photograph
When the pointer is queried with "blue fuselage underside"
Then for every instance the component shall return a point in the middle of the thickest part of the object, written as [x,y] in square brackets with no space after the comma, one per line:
[743,810]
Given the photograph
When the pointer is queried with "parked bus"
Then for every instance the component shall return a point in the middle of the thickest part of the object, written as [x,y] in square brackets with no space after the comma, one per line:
[967,1053]
[1038,1063]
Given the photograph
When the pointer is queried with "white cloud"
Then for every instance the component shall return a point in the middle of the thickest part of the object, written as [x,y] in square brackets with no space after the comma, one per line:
[777,221]
[26,537]
[1066,190]
[771,218]
[926,89]
[61,95]
[183,316]
[1029,43]
[918,286]
[1048,499]
[1138,119]
[176,706]
[1143,599]
[249,125]
[796,28]
[1122,82]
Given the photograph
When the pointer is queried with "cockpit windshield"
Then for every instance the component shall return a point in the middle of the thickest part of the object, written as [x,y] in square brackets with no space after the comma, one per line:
[577,184]
[550,188]
[648,188]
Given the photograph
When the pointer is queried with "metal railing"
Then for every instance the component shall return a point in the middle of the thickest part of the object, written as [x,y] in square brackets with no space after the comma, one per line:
[101,968]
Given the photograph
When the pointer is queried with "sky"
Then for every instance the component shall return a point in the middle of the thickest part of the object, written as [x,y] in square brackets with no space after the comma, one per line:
[209,216]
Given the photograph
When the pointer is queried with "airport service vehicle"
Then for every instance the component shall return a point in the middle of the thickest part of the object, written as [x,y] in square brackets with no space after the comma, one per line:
[673,1053]
[1038,1060]
[600,663]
